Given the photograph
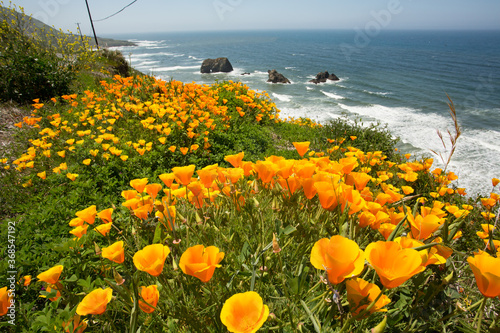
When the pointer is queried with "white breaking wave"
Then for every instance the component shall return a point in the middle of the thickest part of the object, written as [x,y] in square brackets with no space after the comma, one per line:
[147,43]
[149,55]
[331,95]
[172,68]
[420,130]
[283,98]
[313,112]
[377,93]
[144,63]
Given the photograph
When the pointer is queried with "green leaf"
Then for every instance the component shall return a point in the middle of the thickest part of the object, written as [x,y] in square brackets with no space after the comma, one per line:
[72,278]
[157,236]
[315,322]
[289,229]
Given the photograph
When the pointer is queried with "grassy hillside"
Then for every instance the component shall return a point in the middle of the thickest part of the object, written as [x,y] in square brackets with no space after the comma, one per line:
[132,204]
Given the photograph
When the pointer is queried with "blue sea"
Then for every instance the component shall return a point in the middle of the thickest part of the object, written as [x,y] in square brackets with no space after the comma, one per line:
[400,79]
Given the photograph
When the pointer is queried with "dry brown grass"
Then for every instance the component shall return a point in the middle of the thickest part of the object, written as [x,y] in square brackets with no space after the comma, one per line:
[453,137]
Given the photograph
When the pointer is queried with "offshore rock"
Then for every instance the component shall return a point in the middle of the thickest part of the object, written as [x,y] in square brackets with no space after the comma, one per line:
[323,76]
[276,77]
[216,65]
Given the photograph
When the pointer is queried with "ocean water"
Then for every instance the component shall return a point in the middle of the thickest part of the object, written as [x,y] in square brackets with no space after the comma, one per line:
[397,78]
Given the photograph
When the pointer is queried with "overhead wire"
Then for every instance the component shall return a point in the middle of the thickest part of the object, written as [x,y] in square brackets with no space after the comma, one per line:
[121,10]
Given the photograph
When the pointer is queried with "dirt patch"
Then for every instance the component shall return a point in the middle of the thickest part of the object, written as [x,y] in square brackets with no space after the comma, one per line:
[280,144]
[9,115]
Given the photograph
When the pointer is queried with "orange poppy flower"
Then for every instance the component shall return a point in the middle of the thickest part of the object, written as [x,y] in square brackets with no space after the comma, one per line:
[71,176]
[386,229]
[95,302]
[308,187]
[5,301]
[339,256]
[495,181]
[244,312]
[201,262]
[139,184]
[486,270]
[131,203]
[151,258]
[301,147]
[487,228]
[167,179]
[150,295]
[183,174]
[265,170]
[51,276]
[327,195]
[290,185]
[143,211]
[76,222]
[348,164]
[27,280]
[247,168]
[235,160]
[153,189]
[184,150]
[360,180]
[393,264]
[105,215]
[351,199]
[361,293]
[423,227]
[104,229]
[114,252]
[129,194]
[207,176]
[234,174]
[88,214]
[79,231]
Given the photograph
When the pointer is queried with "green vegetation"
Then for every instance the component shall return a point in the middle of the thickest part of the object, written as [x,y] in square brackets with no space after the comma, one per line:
[188,197]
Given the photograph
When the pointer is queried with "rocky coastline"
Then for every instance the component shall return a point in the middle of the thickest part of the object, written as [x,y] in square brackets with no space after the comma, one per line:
[223,65]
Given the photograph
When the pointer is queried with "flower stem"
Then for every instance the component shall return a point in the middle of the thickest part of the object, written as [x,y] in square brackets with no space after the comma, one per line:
[285,288]
[135,308]
[480,314]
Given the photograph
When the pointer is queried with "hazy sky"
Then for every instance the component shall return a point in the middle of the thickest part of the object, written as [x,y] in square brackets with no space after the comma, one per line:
[196,15]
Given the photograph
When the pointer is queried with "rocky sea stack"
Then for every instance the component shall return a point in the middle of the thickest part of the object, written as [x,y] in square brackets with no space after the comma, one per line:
[276,77]
[216,65]
[323,76]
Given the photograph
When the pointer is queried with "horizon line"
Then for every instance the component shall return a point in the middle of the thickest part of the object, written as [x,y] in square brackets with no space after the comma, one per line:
[306,29]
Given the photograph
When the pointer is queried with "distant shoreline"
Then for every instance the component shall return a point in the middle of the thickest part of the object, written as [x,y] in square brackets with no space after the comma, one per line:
[110,42]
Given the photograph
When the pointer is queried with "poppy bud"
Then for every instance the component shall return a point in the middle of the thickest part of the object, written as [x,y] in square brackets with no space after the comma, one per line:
[97,249]
[118,278]
[276,246]
[445,281]
[380,327]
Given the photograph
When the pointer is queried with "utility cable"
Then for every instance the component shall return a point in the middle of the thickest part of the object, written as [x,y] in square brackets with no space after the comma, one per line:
[121,10]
